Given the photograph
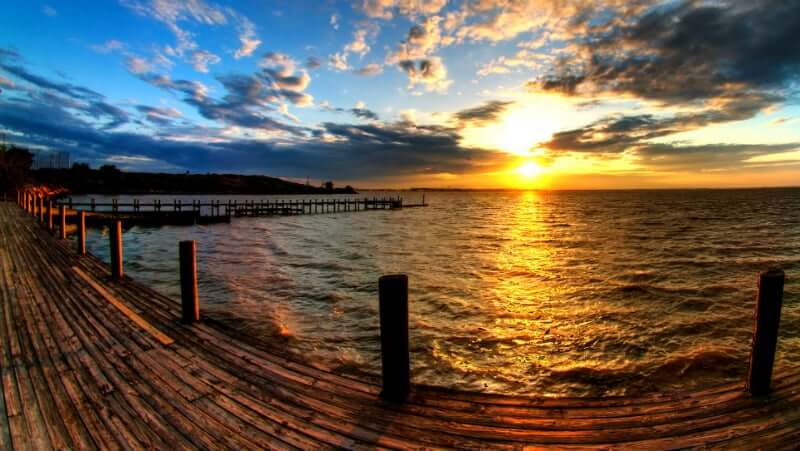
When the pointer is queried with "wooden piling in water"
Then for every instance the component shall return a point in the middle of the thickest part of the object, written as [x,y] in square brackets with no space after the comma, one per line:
[63,216]
[115,241]
[395,364]
[50,215]
[190,303]
[82,232]
[765,331]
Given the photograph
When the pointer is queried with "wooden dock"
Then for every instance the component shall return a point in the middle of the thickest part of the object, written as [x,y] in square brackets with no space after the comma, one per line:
[89,362]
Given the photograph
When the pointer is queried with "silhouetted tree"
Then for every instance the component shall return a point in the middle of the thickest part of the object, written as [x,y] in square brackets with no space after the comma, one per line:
[15,162]
[329,185]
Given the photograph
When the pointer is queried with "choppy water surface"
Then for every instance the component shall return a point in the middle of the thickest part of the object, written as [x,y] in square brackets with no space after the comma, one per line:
[576,293]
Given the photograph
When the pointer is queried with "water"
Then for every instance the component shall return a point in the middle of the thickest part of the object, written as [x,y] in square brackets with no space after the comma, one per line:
[547,293]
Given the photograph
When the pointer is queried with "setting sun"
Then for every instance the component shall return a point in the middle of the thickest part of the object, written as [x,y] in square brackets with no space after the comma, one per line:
[529,170]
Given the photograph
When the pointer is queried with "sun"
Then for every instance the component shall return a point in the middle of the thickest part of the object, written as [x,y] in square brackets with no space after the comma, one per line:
[529,170]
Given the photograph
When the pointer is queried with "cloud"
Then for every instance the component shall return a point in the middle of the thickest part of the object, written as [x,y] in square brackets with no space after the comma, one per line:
[338,61]
[68,89]
[360,111]
[370,70]
[364,113]
[705,158]
[359,44]
[48,10]
[6,83]
[201,59]
[247,36]
[384,9]
[334,21]
[313,63]
[413,57]
[353,151]
[280,70]
[686,51]
[482,114]
[108,46]
[615,134]
[159,116]
[137,65]
[431,73]
[173,12]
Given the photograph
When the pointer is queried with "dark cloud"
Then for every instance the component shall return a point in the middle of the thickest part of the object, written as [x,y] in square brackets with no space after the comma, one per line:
[359,112]
[616,134]
[688,51]
[483,114]
[52,120]
[313,63]
[711,157]
[159,116]
[67,89]
[246,103]
[364,113]
[356,151]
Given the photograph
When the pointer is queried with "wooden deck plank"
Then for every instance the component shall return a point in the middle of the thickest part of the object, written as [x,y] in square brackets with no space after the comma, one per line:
[89,361]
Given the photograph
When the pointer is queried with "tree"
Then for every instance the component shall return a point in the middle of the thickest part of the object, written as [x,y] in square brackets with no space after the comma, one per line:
[329,185]
[15,162]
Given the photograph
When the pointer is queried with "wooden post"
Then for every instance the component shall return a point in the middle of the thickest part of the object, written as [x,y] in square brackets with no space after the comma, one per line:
[190,303]
[50,215]
[41,210]
[765,331]
[63,214]
[393,306]
[82,232]
[115,237]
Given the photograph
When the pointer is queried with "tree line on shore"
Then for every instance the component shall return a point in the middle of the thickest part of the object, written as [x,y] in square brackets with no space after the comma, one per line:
[16,173]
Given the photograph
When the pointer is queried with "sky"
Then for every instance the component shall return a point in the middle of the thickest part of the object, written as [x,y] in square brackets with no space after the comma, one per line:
[569,94]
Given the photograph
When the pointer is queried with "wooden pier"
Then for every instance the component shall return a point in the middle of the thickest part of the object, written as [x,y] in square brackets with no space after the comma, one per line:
[219,209]
[91,362]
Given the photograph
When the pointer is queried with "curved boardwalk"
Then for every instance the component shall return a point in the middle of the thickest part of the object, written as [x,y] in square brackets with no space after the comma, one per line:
[89,363]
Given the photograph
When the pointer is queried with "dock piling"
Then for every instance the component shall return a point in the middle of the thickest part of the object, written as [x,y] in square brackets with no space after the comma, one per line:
[82,232]
[62,213]
[115,237]
[190,303]
[50,216]
[765,331]
[395,364]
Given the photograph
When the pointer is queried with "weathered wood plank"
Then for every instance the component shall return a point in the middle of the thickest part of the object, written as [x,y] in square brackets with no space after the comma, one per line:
[79,371]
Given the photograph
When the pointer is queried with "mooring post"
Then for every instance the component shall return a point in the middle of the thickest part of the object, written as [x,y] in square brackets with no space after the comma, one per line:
[393,306]
[63,214]
[82,232]
[41,210]
[190,303]
[115,237]
[765,331]
[50,215]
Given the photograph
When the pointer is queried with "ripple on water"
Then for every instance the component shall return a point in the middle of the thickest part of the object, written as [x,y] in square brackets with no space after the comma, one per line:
[552,293]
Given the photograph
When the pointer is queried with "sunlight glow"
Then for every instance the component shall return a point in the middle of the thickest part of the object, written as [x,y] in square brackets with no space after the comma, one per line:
[529,170]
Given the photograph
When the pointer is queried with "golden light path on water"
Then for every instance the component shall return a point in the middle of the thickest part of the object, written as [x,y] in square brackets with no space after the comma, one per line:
[555,293]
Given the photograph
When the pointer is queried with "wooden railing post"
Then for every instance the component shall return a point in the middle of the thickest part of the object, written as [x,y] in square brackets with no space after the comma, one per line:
[41,210]
[765,331]
[50,216]
[62,212]
[82,232]
[190,303]
[395,365]
[115,237]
